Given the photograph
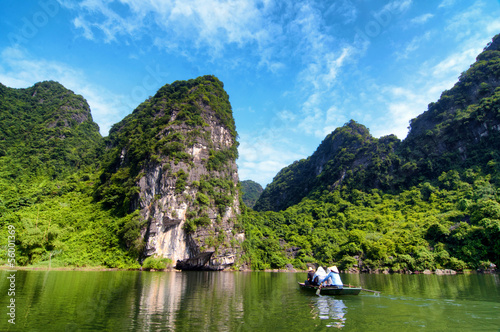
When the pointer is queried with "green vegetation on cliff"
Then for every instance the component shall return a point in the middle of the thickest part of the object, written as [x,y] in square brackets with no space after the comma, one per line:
[461,129]
[46,129]
[349,156]
[165,125]
[48,151]
[251,191]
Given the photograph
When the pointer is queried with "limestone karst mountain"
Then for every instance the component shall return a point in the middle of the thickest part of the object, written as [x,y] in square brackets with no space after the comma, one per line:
[173,159]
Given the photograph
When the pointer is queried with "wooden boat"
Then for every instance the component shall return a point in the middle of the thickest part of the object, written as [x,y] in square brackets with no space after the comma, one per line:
[331,290]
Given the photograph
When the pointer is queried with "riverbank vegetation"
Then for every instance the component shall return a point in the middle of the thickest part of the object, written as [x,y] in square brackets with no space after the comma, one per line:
[65,226]
[451,224]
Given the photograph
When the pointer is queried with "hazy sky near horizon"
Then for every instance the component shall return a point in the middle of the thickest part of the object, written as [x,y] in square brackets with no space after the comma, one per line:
[294,70]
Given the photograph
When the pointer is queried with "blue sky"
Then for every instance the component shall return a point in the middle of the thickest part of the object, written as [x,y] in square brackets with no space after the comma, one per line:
[294,70]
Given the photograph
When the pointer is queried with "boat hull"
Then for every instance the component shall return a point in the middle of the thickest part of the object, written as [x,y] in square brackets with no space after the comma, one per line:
[331,290]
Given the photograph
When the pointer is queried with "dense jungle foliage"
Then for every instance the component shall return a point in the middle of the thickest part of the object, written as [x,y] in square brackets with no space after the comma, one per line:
[49,152]
[453,223]
[250,192]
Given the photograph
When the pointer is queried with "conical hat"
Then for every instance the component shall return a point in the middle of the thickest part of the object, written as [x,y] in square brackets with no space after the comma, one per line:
[334,269]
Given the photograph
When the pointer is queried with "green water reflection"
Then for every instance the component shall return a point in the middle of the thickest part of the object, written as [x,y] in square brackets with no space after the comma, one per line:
[253,301]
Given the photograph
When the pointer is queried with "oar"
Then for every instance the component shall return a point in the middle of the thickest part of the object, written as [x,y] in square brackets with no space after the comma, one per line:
[366,290]
[319,290]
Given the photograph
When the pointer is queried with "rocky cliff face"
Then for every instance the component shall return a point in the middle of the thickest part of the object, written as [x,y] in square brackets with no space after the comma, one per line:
[180,148]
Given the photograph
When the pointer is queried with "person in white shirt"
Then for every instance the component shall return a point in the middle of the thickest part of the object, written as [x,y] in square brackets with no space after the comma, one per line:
[333,273]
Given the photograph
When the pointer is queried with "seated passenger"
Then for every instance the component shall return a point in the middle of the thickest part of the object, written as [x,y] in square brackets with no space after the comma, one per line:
[310,277]
[319,275]
[333,274]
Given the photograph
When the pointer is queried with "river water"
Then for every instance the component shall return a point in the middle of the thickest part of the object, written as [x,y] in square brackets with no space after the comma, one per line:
[244,301]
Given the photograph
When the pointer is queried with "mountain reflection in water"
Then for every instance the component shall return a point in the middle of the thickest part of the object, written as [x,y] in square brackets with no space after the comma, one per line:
[197,300]
[329,308]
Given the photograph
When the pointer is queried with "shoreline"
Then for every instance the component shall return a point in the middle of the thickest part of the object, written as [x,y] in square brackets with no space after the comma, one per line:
[102,269]
[66,268]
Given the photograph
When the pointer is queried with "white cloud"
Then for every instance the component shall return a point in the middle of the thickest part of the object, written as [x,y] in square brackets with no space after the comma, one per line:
[345,9]
[334,118]
[287,116]
[397,6]
[324,59]
[414,45]
[493,27]
[455,63]
[334,63]
[422,18]
[206,26]
[20,70]
[82,24]
[401,104]
[446,3]
[473,23]
[401,112]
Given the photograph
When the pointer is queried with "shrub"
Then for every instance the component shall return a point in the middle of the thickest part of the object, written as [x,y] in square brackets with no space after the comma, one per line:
[189,226]
[456,264]
[156,263]
[203,221]
[347,262]
[181,182]
[202,199]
